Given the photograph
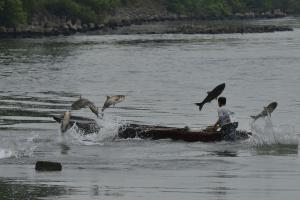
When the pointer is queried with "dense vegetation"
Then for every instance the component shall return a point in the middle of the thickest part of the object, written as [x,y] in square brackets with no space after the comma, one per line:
[14,12]
[228,7]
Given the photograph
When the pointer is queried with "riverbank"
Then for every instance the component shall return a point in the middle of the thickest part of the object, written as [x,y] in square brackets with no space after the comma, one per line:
[195,27]
[154,26]
[66,17]
[134,17]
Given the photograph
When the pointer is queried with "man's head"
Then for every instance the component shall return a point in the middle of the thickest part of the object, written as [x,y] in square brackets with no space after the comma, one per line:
[221,101]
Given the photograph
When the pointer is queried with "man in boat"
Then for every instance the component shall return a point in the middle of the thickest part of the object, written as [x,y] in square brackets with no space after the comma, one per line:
[228,129]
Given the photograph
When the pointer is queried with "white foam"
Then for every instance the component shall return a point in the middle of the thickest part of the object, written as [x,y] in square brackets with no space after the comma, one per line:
[6,153]
[22,147]
[265,133]
[108,132]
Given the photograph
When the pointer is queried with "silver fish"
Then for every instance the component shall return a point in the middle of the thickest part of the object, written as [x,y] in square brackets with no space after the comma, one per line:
[112,100]
[84,103]
[267,111]
[80,103]
[65,122]
[94,109]
[212,95]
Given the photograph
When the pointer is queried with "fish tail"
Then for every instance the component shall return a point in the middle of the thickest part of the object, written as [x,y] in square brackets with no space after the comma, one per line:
[254,117]
[200,105]
[101,115]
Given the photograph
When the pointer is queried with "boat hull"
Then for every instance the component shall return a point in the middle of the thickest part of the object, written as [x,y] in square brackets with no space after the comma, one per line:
[130,130]
[184,134]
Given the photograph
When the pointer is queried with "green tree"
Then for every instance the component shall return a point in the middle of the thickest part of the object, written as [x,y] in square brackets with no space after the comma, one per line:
[12,13]
[294,6]
[236,6]
[1,5]
[70,9]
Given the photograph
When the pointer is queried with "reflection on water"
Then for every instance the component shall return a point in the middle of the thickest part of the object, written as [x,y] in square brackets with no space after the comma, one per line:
[277,149]
[19,109]
[226,153]
[31,51]
[13,190]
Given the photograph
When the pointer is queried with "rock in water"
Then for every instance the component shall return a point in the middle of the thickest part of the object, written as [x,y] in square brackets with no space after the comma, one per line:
[48,166]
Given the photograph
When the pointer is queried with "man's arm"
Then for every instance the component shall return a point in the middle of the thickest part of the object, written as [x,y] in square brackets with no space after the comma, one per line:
[217,124]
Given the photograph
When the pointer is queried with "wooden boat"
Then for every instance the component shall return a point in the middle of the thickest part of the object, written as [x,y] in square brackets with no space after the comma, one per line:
[130,130]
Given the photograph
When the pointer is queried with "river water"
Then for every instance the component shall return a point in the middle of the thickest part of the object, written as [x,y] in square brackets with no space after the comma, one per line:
[161,76]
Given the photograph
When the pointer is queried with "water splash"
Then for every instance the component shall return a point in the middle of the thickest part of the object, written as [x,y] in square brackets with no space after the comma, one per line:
[265,133]
[6,153]
[23,147]
[108,132]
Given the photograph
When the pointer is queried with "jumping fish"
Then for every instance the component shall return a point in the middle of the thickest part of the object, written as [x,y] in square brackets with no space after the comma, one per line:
[212,95]
[112,100]
[267,111]
[84,103]
[94,109]
[65,122]
[80,103]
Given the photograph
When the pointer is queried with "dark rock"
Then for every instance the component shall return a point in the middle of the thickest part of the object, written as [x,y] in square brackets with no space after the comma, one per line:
[125,22]
[113,24]
[69,24]
[10,30]
[268,15]
[91,26]
[250,15]
[239,15]
[78,25]
[138,21]
[2,29]
[99,26]
[48,166]
[192,29]
[85,27]
[279,13]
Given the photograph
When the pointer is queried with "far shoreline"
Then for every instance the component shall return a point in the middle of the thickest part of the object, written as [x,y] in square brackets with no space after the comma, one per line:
[113,27]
